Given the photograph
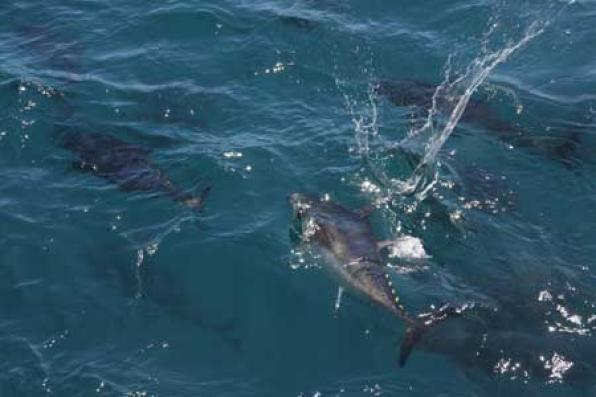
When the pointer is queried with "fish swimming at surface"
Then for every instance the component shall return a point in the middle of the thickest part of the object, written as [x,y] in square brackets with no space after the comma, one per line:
[124,164]
[351,252]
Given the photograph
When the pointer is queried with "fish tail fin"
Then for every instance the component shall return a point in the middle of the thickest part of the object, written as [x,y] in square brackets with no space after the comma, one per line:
[418,328]
[413,334]
[198,201]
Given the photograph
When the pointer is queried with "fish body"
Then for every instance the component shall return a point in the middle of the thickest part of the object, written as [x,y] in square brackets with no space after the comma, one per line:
[124,164]
[419,96]
[351,254]
[298,22]
[346,240]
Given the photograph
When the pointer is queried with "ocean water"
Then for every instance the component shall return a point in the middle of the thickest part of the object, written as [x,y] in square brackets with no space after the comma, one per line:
[489,189]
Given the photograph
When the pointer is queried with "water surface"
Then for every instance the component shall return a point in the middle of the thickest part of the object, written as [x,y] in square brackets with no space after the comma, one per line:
[113,293]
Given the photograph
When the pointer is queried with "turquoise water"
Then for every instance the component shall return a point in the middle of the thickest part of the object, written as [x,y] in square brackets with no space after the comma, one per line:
[121,292]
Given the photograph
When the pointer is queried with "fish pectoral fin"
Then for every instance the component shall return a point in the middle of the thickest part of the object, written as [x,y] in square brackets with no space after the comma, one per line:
[340,291]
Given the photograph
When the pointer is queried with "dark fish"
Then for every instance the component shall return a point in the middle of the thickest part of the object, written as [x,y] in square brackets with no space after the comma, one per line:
[502,348]
[563,148]
[419,95]
[406,92]
[351,252]
[125,165]
[298,22]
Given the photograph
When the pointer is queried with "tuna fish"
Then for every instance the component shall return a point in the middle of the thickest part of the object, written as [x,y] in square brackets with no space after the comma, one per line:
[125,165]
[351,254]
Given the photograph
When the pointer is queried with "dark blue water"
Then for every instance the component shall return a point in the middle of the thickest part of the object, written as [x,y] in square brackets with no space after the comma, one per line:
[114,291]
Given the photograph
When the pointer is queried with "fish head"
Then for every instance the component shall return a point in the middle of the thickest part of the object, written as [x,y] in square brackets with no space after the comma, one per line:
[301,204]
[304,225]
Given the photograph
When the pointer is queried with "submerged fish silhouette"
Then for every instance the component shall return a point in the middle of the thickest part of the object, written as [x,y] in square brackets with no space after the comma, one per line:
[125,165]
[156,286]
[298,22]
[418,94]
[351,253]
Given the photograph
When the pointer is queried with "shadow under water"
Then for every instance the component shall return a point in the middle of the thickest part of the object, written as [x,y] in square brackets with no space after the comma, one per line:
[145,284]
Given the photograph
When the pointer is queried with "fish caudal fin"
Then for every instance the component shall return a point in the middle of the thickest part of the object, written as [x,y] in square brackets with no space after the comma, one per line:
[413,334]
[417,329]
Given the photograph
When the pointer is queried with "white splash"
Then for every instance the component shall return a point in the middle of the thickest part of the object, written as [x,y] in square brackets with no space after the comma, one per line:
[232,155]
[507,366]
[452,98]
[545,296]
[369,187]
[407,247]
[558,366]
[278,67]
[449,102]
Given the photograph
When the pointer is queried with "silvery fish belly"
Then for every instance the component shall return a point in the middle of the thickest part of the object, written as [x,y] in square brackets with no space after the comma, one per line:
[373,282]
